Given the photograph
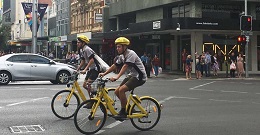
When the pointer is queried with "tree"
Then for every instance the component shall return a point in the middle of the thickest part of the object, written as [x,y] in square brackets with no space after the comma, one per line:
[5,35]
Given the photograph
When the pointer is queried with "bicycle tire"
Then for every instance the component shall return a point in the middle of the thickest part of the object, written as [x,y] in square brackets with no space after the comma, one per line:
[59,108]
[154,113]
[86,124]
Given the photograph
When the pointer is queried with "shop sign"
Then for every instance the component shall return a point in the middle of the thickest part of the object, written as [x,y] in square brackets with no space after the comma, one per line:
[55,39]
[98,17]
[207,23]
[63,38]
[156,25]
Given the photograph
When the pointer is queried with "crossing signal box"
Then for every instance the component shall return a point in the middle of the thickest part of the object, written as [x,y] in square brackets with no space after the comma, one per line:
[241,40]
[246,23]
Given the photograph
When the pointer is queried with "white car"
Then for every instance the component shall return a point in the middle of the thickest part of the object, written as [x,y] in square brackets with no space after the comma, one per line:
[33,67]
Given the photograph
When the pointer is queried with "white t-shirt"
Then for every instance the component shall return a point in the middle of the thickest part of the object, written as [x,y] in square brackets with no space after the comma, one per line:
[135,65]
[88,53]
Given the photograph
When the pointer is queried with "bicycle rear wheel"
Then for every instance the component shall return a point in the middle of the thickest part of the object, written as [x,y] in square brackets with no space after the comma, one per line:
[153,109]
[59,106]
[83,120]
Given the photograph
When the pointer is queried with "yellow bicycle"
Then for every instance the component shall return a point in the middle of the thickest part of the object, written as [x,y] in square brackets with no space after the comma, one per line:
[65,102]
[144,112]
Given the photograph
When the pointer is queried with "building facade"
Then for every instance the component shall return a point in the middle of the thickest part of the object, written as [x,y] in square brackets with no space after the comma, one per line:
[167,27]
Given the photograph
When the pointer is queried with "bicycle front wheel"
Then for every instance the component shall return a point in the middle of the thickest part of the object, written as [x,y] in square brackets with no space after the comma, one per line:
[83,119]
[59,106]
[152,107]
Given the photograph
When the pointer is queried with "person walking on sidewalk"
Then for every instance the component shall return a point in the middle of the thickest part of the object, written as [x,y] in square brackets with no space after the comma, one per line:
[156,64]
[188,67]
[87,57]
[149,65]
[133,65]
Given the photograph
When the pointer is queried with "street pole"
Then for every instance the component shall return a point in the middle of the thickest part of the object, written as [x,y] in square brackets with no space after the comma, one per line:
[246,47]
[34,25]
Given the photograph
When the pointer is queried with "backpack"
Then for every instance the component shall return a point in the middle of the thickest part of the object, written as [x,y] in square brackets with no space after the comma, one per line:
[103,66]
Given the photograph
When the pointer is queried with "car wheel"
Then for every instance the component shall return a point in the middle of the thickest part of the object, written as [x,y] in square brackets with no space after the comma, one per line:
[5,78]
[63,77]
[54,81]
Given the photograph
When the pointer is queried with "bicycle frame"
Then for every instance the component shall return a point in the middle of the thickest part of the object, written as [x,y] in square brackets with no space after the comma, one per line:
[80,92]
[109,103]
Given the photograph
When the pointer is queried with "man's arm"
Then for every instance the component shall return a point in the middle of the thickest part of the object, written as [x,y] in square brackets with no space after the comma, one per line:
[82,62]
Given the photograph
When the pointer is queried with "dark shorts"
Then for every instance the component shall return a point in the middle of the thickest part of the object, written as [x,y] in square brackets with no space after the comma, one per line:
[92,74]
[132,82]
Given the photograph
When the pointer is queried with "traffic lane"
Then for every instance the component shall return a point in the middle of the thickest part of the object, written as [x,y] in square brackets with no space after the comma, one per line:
[200,116]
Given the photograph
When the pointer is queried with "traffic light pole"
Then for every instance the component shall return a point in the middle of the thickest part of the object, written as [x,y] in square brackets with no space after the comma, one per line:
[34,25]
[246,47]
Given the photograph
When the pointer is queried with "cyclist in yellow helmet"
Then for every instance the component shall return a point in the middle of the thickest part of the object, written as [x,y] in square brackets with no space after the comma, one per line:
[87,57]
[132,64]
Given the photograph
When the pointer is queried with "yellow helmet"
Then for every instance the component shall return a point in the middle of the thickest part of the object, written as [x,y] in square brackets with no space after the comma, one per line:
[83,38]
[122,40]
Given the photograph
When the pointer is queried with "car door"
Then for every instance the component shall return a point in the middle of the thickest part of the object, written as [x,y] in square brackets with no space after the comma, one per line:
[41,69]
[19,67]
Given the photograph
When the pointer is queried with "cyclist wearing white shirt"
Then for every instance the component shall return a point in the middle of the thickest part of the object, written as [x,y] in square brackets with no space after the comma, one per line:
[132,65]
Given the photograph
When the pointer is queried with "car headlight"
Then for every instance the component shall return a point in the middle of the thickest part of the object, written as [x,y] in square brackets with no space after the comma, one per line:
[73,67]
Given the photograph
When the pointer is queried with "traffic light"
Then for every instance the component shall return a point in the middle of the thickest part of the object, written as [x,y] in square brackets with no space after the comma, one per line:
[246,23]
[241,40]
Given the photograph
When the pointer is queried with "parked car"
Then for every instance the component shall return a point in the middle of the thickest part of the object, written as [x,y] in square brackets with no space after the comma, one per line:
[33,67]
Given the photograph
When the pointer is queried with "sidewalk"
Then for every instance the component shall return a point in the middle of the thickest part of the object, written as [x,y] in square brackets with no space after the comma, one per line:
[179,74]
[221,74]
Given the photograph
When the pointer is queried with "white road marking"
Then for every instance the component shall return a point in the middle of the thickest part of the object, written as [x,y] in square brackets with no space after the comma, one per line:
[100,131]
[32,100]
[35,88]
[224,100]
[234,92]
[1,107]
[202,85]
[2,88]
[17,103]
[113,124]
[185,97]
[201,89]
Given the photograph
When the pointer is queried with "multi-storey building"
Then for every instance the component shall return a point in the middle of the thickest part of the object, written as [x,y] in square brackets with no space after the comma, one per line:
[166,27]
[21,35]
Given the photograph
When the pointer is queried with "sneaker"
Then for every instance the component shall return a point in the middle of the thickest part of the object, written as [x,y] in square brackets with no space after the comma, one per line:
[89,105]
[121,116]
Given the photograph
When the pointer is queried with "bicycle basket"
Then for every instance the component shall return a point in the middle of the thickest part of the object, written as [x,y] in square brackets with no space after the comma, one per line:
[94,86]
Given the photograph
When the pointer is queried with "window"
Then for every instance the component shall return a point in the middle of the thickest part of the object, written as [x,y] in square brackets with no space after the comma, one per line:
[19,59]
[38,59]
[181,10]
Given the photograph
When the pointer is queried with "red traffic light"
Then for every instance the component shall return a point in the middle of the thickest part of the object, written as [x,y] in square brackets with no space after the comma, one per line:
[241,40]
[249,19]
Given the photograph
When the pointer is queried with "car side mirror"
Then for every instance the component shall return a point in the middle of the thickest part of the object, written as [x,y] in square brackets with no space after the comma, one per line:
[51,62]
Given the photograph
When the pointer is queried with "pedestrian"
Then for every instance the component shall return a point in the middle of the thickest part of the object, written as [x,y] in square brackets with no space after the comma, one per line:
[149,65]
[188,67]
[198,65]
[92,68]
[184,55]
[156,64]
[232,61]
[207,64]
[215,65]
[240,65]
[144,60]
[136,76]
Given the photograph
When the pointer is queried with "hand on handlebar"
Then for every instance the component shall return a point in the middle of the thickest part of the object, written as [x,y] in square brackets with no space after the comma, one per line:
[101,75]
[83,72]
[112,79]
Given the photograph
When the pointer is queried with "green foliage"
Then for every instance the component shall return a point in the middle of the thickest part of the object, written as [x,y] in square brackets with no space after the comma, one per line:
[5,34]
